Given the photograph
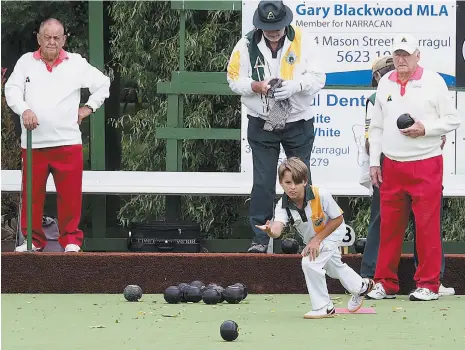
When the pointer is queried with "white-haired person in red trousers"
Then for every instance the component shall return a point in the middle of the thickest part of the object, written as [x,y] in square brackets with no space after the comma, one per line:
[45,91]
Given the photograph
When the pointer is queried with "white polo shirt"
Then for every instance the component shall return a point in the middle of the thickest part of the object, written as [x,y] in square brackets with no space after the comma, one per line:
[53,93]
[319,208]
[426,98]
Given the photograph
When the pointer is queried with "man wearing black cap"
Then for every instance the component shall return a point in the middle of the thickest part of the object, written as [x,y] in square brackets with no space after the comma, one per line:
[273,68]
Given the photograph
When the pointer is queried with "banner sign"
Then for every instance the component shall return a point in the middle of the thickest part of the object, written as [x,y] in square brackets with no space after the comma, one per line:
[349,36]
[337,155]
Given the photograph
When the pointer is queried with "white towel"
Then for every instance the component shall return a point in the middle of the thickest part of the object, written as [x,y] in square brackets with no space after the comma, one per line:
[365,179]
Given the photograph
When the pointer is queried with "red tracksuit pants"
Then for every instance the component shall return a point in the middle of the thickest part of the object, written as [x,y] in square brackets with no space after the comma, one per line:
[416,185]
[65,163]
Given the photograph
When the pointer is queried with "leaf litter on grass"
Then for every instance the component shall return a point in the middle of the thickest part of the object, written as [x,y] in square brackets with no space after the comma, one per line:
[398,309]
[172,315]
[98,326]
[336,300]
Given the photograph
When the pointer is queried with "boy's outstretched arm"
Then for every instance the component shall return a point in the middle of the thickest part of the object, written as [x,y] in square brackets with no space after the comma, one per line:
[272,229]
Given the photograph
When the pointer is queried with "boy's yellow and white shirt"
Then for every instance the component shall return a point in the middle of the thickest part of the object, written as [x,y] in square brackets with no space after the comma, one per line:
[319,208]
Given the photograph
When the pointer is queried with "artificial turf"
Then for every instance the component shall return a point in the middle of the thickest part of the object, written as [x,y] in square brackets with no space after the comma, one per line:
[107,321]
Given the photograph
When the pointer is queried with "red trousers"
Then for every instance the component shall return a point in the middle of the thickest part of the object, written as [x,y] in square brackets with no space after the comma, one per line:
[416,185]
[65,163]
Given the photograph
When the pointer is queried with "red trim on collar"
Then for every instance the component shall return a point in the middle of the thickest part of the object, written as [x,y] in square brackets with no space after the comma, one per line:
[415,76]
[61,57]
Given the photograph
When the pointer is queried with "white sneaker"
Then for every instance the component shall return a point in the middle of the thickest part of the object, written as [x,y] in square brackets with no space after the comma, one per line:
[325,312]
[356,300]
[72,248]
[23,248]
[423,294]
[379,293]
[355,303]
[444,291]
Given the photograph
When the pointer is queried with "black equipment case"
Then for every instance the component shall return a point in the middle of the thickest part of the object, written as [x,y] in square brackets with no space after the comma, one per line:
[163,236]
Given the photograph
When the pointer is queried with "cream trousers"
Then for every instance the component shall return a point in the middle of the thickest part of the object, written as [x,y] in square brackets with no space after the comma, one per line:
[328,263]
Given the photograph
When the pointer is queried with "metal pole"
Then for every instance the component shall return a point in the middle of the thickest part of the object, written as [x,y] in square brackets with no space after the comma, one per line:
[29,189]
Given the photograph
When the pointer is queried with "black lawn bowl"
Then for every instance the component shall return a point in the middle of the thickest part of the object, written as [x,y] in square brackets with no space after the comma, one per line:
[233,294]
[405,121]
[289,246]
[182,287]
[221,291]
[229,330]
[198,284]
[244,289]
[359,245]
[211,285]
[211,296]
[173,295]
[192,294]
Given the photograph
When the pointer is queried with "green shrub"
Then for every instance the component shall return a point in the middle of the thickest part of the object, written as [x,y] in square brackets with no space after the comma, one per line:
[11,155]
[146,46]
[453,218]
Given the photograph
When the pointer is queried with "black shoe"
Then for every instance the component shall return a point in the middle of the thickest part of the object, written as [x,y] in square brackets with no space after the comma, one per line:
[257,248]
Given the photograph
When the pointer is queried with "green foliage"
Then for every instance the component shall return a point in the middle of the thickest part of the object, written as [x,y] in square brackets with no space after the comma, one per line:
[11,155]
[360,215]
[146,46]
[21,20]
[453,224]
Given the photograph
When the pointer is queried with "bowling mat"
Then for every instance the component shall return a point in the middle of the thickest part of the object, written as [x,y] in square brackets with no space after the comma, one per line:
[362,310]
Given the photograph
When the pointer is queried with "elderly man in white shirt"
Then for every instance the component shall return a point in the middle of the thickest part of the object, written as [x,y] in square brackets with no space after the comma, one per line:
[412,167]
[45,90]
